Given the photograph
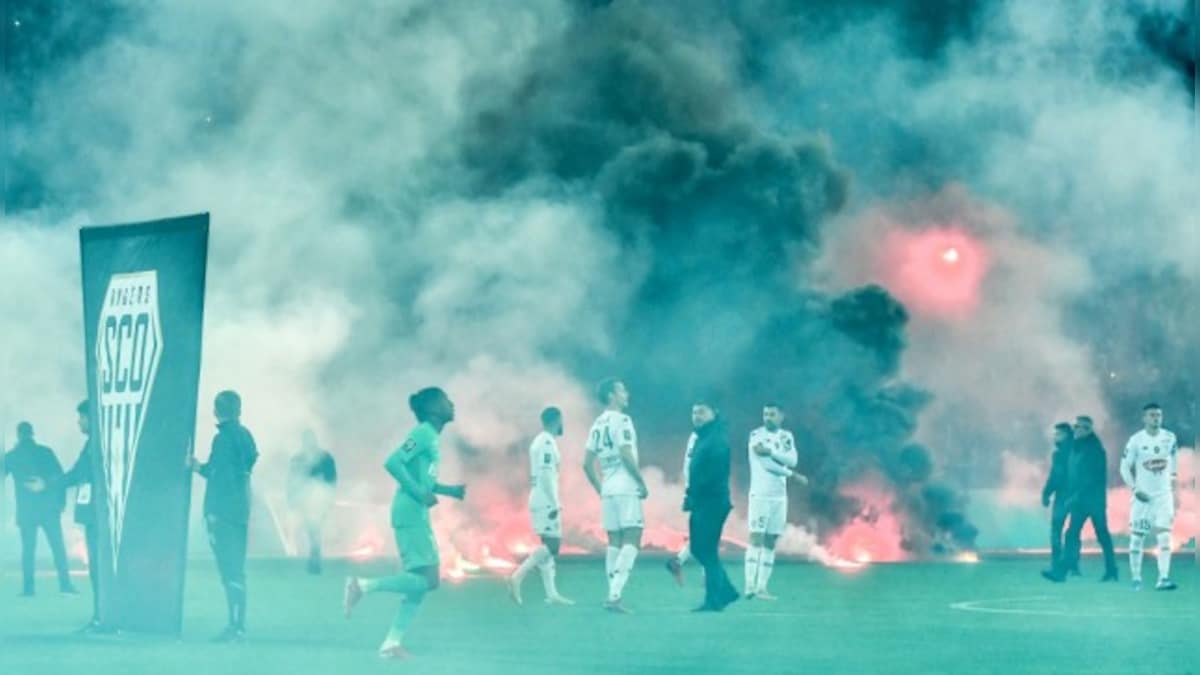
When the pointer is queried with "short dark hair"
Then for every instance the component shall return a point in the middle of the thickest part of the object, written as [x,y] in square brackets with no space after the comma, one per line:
[773,404]
[421,401]
[1084,418]
[24,430]
[82,408]
[1063,426]
[228,404]
[1151,406]
[551,415]
[606,388]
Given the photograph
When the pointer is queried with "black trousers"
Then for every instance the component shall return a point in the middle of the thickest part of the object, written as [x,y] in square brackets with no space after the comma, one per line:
[1081,513]
[1058,523]
[704,530]
[51,525]
[93,551]
[228,542]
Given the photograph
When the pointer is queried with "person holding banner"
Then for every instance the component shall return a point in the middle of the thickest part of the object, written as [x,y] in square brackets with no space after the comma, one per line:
[414,466]
[227,505]
[40,500]
[80,477]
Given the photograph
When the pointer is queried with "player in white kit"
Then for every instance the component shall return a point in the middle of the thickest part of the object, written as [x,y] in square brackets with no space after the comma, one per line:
[773,458]
[545,509]
[1148,467]
[612,442]
[676,562]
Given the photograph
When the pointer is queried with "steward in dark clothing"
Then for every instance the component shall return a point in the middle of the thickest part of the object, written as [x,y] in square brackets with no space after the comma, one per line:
[707,499]
[1087,497]
[1054,493]
[37,476]
[227,506]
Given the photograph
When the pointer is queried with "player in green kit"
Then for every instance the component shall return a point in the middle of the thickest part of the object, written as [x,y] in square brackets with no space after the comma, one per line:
[414,466]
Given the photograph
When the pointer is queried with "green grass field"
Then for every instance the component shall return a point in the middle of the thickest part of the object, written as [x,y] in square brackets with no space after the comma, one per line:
[993,617]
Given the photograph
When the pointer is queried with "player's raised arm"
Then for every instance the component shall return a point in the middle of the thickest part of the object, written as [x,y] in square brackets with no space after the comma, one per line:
[787,455]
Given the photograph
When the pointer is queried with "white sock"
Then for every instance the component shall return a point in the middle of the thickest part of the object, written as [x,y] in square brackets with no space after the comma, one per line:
[610,561]
[753,556]
[621,571]
[535,559]
[766,565]
[1136,541]
[547,569]
[1164,555]
[685,554]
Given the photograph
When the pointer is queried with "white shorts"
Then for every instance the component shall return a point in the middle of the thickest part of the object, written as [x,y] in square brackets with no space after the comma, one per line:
[1156,514]
[768,515]
[621,512]
[545,524]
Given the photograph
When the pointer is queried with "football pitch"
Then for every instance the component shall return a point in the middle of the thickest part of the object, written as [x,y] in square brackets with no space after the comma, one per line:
[997,616]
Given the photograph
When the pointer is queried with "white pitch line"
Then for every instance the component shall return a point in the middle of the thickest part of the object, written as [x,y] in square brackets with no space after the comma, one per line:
[979,606]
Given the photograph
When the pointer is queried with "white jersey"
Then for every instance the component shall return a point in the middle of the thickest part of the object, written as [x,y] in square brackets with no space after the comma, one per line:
[687,459]
[769,473]
[610,431]
[544,461]
[1148,463]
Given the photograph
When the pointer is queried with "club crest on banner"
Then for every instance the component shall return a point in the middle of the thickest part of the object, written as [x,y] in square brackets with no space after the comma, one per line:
[129,348]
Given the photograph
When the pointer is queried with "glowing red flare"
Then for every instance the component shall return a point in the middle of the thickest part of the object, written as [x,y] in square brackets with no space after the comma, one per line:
[937,271]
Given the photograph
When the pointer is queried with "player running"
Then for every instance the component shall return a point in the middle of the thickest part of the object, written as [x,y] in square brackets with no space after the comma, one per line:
[415,467]
[545,508]
[676,562]
[1148,467]
[613,442]
[772,460]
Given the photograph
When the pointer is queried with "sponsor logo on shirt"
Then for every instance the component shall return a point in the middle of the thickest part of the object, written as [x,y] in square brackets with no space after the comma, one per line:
[1156,465]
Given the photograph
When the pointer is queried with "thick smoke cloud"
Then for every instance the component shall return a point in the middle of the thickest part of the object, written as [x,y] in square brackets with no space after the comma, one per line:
[518,202]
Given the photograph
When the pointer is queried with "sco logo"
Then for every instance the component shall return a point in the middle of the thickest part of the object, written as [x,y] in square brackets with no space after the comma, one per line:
[129,348]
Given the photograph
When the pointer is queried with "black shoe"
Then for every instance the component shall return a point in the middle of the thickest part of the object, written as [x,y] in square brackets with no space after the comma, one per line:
[706,608]
[1051,575]
[1074,571]
[1110,575]
[231,634]
[728,600]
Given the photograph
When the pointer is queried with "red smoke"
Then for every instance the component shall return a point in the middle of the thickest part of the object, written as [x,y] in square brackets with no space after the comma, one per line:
[876,533]
[936,271]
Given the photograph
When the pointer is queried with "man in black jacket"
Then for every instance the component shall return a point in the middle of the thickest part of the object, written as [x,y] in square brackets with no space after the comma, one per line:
[227,506]
[1054,494]
[80,477]
[37,476]
[1088,497]
[707,498]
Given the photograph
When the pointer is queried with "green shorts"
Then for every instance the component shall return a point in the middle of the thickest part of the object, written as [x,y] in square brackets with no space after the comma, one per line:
[417,546]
